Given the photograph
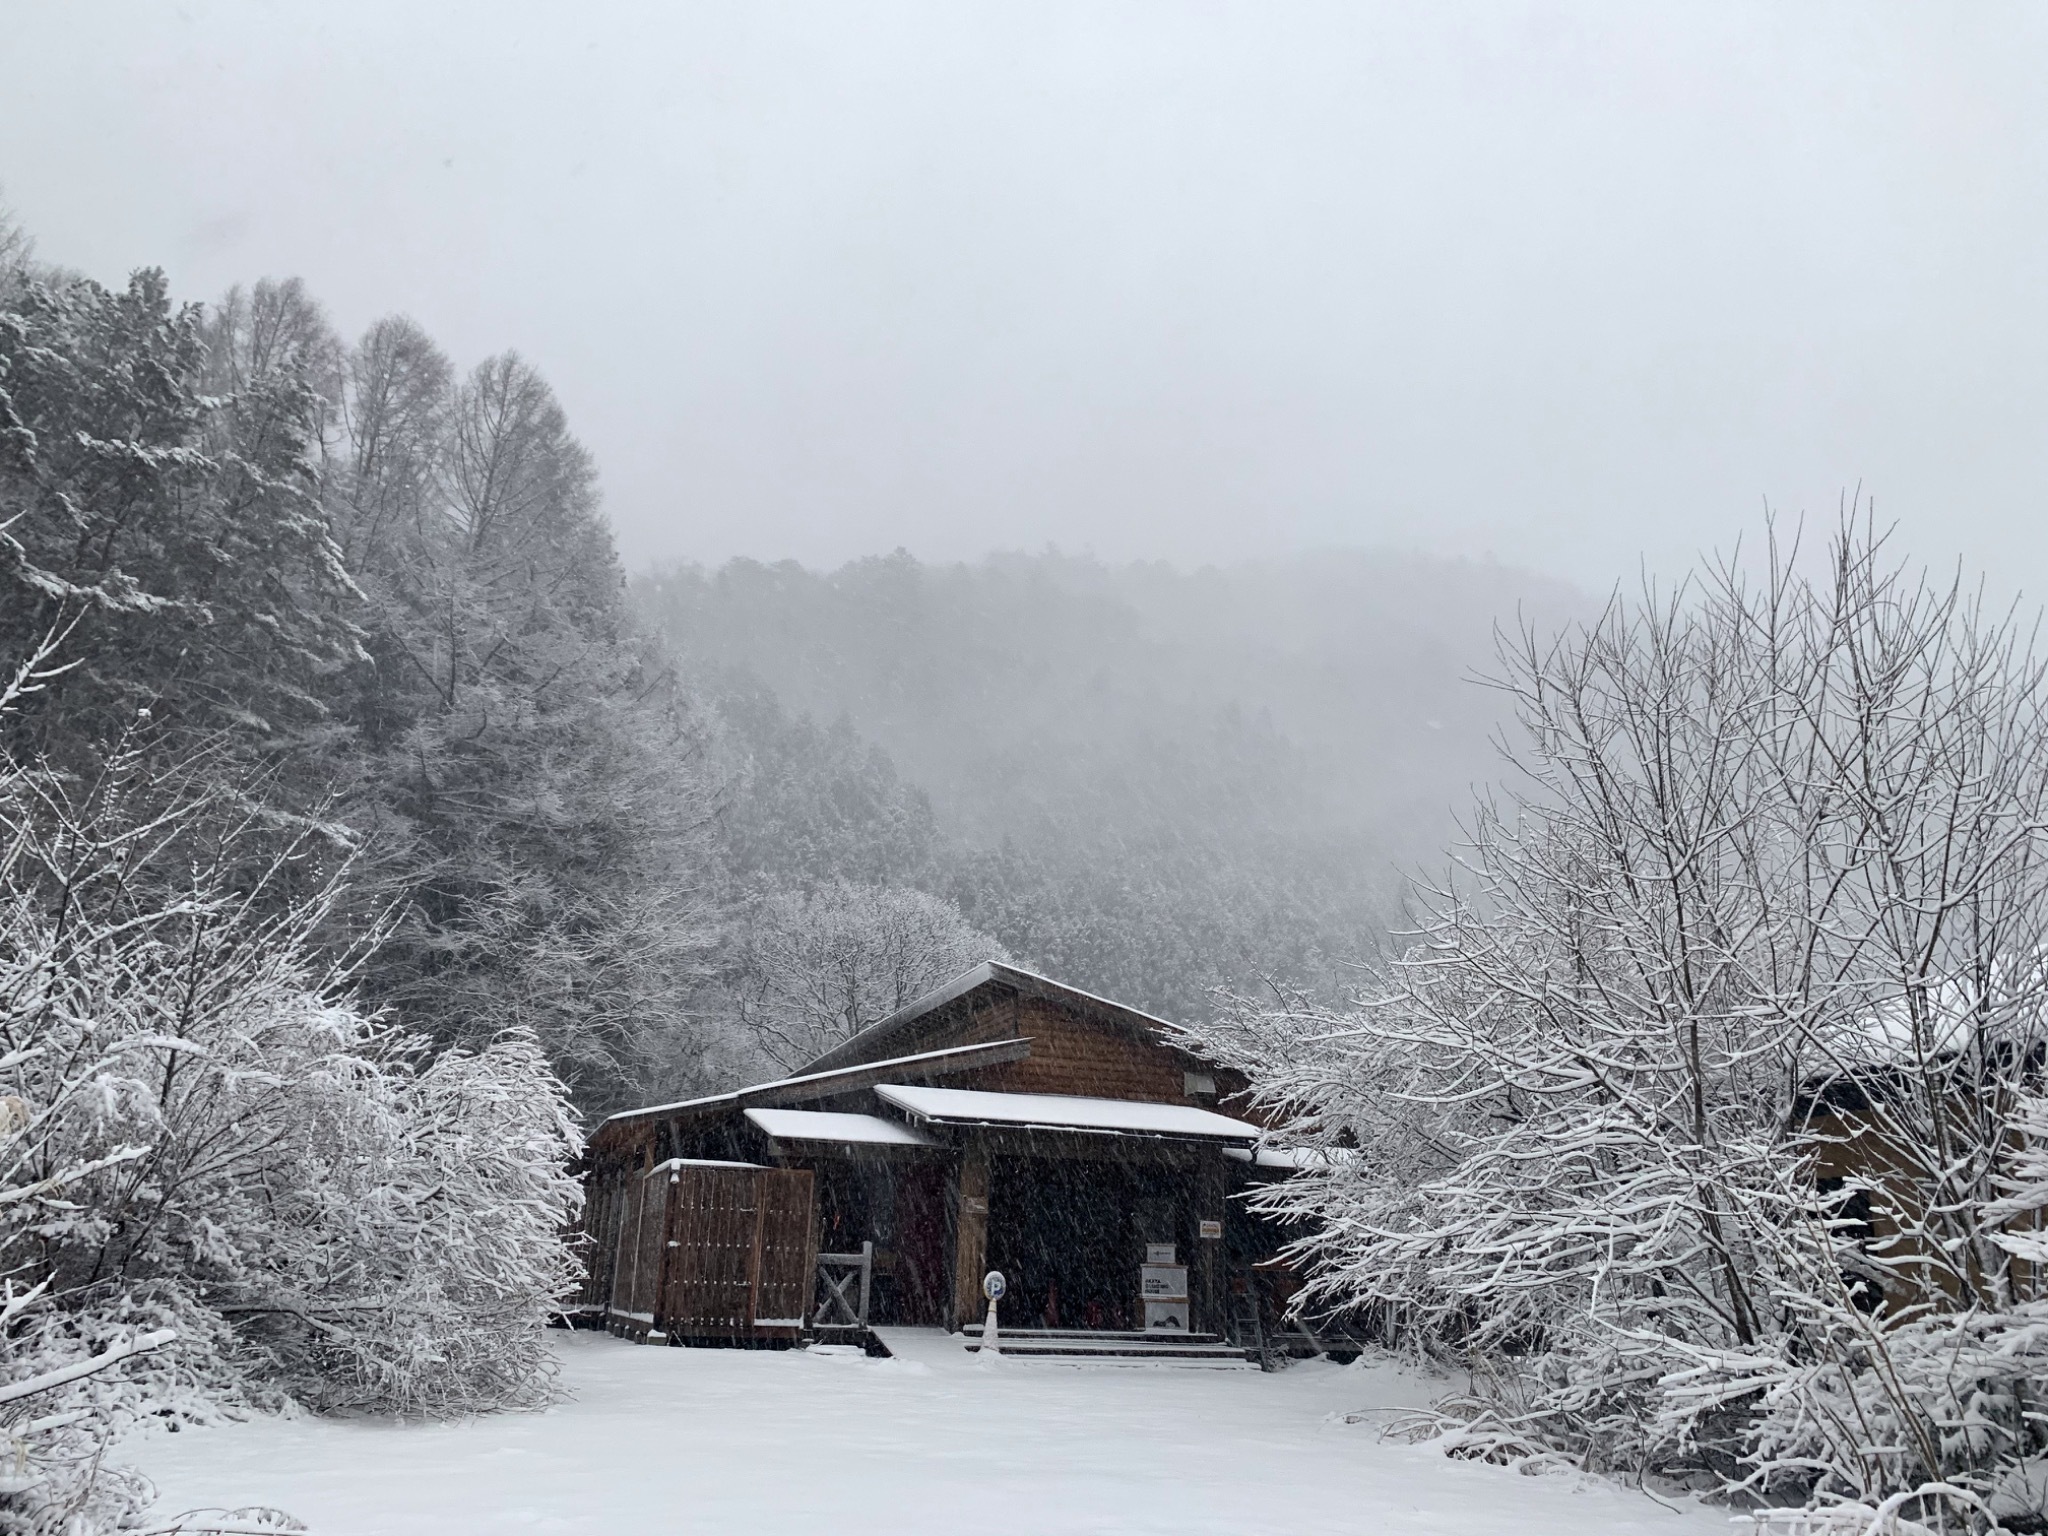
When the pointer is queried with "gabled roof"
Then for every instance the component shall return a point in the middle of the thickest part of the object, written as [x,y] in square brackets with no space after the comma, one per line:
[990,973]
[806,1086]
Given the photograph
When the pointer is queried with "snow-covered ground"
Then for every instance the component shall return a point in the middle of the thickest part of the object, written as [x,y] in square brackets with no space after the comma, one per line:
[656,1440]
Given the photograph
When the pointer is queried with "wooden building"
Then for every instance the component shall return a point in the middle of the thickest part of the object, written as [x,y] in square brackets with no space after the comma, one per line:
[1004,1122]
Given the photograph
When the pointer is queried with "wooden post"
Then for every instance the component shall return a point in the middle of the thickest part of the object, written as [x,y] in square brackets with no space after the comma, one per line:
[970,1234]
[1206,1279]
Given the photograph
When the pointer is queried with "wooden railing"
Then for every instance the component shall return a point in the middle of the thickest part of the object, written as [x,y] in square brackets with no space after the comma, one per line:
[845,1281]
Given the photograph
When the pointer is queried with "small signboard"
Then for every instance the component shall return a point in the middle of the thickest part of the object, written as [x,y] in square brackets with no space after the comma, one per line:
[993,1285]
[1212,1229]
[1163,1282]
[1159,1253]
[1166,1317]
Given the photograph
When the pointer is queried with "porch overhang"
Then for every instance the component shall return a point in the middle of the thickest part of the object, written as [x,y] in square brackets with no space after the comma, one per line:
[840,1129]
[1064,1115]
[813,1086]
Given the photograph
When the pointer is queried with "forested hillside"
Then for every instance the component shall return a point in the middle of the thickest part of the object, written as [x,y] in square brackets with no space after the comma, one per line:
[1147,780]
[370,600]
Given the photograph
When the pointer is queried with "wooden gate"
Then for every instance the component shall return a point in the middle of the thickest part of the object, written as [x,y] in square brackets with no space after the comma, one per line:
[785,1271]
[715,1251]
[714,1218]
[603,1209]
[636,1271]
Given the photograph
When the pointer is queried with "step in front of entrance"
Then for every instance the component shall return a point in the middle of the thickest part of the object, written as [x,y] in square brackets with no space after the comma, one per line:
[1079,1345]
[1097,1335]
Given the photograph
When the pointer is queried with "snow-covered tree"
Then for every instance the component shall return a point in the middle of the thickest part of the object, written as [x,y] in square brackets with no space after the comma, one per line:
[392,598]
[221,1182]
[814,968]
[527,778]
[185,550]
[17,254]
[343,816]
[1685,1118]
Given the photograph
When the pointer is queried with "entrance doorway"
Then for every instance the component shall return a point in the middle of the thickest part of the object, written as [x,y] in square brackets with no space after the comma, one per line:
[1070,1235]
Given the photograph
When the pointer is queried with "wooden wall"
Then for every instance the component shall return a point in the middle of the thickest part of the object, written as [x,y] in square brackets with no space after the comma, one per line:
[1089,1055]
[1096,1060]
[1075,1049]
[642,1250]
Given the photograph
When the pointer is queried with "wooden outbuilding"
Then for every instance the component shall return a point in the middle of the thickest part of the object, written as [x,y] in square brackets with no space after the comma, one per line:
[1005,1122]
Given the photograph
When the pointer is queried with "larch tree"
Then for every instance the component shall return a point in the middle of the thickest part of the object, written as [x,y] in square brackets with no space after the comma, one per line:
[528,778]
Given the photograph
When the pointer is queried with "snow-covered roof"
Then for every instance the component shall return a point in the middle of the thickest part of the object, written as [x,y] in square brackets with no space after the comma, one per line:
[694,1162]
[989,970]
[1285,1157]
[1058,1112]
[830,1125]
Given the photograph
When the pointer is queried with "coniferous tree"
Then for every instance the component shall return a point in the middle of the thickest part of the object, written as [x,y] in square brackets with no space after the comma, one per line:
[178,543]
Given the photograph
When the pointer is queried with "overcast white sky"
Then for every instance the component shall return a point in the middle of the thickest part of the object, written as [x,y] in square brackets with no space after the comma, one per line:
[1571,284]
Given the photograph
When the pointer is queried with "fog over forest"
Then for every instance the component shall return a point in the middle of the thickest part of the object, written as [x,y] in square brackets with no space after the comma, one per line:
[1149,780]
[696,824]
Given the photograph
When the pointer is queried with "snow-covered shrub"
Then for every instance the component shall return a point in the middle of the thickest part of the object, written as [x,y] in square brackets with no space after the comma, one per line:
[200,1134]
[1948,1399]
[415,1259]
[1689,1117]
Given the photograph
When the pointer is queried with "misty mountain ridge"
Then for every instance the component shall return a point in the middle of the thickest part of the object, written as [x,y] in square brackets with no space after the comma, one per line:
[1153,780]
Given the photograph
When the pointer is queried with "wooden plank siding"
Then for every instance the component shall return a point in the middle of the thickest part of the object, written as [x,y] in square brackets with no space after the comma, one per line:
[598,1242]
[1084,1054]
[1080,1044]
[741,1253]
[1090,1055]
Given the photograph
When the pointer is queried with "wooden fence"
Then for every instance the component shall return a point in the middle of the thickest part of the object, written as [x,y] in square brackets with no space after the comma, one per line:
[713,1251]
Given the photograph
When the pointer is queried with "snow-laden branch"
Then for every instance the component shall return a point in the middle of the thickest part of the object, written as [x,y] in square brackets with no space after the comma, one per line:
[50,1381]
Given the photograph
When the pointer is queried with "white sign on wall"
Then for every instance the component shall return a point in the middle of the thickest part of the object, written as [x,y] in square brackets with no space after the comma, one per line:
[1163,1282]
[1159,1253]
